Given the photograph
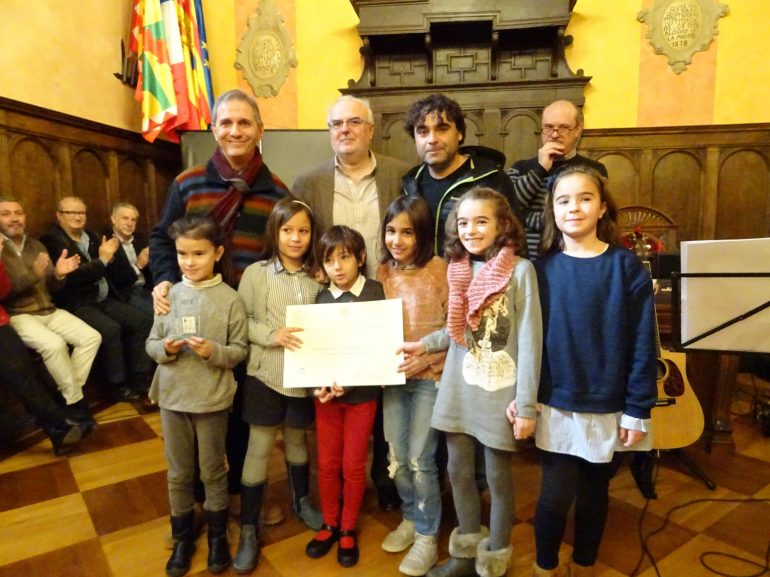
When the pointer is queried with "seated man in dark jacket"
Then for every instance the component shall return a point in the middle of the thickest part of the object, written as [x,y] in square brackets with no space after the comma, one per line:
[87,295]
[129,270]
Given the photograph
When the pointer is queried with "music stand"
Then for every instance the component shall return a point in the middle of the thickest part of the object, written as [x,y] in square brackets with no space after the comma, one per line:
[719,314]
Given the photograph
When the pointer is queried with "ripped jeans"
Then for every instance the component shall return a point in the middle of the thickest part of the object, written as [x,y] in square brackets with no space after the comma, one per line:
[412,454]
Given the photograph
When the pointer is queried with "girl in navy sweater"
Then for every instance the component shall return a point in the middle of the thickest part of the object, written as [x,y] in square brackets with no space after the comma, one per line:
[597,382]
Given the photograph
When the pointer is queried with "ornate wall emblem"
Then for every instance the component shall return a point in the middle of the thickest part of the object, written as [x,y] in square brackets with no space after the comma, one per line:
[266,52]
[680,28]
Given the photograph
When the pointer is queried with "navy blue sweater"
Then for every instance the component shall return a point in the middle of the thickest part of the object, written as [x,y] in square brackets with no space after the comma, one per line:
[599,353]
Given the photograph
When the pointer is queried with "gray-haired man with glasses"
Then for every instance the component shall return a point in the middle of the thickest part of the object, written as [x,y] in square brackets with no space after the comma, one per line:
[356,186]
[561,128]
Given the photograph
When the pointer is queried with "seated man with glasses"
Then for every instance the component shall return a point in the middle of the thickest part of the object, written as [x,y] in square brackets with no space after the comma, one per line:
[562,125]
[89,296]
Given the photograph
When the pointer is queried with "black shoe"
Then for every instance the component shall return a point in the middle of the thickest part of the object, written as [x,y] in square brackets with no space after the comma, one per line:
[80,413]
[322,542]
[347,556]
[219,553]
[387,498]
[183,532]
[65,439]
[126,394]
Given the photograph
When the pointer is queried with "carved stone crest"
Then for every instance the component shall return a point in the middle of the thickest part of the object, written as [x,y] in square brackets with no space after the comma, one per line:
[266,52]
[679,28]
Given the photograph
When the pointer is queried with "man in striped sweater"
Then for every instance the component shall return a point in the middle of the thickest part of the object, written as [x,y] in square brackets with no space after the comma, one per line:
[239,191]
[562,126]
[234,186]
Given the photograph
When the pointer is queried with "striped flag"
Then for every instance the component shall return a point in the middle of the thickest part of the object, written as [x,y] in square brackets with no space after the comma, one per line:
[166,34]
[204,55]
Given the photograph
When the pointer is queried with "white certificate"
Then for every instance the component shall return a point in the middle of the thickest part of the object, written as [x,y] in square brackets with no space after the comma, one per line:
[351,344]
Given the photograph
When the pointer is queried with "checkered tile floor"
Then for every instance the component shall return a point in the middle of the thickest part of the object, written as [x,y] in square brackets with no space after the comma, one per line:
[103,512]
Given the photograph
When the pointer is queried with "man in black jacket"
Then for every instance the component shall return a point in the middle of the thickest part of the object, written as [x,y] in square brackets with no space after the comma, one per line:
[88,296]
[129,270]
[437,126]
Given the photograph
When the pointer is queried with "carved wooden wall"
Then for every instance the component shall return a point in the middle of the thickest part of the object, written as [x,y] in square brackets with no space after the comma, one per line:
[714,181]
[502,61]
[45,156]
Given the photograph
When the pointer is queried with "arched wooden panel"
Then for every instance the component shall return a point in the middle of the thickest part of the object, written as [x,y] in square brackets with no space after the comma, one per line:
[521,138]
[743,208]
[395,140]
[676,190]
[132,188]
[90,181]
[35,181]
[623,178]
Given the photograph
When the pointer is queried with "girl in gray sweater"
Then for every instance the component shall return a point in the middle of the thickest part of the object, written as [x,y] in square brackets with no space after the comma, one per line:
[196,347]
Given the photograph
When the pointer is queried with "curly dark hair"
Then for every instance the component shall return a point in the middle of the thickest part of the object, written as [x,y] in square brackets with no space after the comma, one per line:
[510,231]
[439,104]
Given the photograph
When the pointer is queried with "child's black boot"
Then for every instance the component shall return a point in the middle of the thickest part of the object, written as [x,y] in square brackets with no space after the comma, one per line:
[219,554]
[183,533]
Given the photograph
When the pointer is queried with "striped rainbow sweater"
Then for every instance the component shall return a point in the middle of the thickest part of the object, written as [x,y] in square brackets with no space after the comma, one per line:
[196,191]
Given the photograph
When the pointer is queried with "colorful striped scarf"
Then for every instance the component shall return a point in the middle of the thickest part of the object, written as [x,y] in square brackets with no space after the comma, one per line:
[225,211]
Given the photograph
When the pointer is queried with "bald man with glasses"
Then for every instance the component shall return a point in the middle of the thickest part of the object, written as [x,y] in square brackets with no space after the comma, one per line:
[561,128]
[89,295]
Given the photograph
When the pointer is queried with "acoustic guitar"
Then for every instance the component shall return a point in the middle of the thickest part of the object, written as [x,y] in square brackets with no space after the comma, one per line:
[677,418]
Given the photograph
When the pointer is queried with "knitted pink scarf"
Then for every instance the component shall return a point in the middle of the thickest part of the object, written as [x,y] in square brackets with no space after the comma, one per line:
[469,294]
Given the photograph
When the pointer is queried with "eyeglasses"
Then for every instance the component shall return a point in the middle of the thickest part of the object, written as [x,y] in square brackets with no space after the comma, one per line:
[562,130]
[73,212]
[351,123]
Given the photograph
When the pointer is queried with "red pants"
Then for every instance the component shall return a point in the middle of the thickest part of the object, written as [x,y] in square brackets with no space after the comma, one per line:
[343,434]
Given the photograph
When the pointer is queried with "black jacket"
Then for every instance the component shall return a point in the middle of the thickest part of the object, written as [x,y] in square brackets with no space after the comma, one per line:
[121,275]
[82,284]
[484,169]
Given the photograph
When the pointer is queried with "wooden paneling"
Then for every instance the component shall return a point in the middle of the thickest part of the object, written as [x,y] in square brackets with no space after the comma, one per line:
[714,181]
[45,156]
[744,183]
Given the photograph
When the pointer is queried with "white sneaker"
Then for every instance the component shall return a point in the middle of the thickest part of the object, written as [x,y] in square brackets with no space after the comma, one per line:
[400,539]
[421,557]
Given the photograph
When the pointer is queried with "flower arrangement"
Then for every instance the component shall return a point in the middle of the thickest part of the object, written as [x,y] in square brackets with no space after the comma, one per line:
[642,243]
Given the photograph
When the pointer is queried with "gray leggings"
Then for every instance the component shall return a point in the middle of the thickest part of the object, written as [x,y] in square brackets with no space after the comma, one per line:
[180,431]
[261,442]
[465,493]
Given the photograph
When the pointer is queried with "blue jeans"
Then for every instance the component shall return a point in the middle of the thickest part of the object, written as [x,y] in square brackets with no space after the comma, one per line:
[412,454]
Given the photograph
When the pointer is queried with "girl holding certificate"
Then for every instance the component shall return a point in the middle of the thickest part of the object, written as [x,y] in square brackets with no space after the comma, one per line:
[409,271]
[344,418]
[267,288]
[493,336]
